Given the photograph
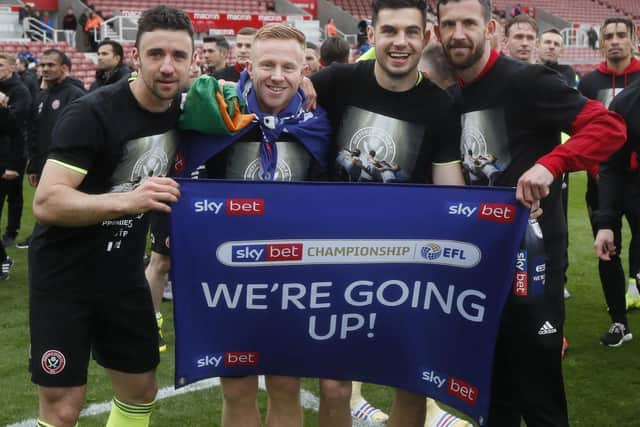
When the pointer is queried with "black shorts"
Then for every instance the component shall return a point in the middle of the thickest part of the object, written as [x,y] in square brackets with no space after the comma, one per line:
[117,325]
[159,231]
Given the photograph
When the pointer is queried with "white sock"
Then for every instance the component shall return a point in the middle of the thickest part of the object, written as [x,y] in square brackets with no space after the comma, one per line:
[633,288]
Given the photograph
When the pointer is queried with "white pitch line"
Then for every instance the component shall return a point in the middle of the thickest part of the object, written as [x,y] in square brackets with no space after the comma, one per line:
[308,400]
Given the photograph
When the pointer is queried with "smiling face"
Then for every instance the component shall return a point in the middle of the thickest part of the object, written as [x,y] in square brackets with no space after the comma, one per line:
[399,36]
[276,72]
[464,34]
[163,58]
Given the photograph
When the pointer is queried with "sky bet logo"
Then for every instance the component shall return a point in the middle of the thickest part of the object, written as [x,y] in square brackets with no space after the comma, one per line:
[496,212]
[244,207]
[454,386]
[267,252]
[229,359]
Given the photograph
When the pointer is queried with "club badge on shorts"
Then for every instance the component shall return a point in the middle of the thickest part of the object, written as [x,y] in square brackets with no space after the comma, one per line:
[53,362]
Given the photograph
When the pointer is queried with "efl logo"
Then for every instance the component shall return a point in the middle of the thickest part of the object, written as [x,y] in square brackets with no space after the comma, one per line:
[241,358]
[463,391]
[497,212]
[269,252]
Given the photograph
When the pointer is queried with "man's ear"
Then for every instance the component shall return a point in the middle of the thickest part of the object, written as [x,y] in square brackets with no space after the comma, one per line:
[491,28]
[135,55]
[371,35]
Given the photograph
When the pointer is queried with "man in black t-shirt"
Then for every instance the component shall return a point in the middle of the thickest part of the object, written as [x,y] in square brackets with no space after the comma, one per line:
[513,112]
[392,124]
[85,259]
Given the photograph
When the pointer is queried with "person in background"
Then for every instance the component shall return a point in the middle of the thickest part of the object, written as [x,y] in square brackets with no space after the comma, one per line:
[69,25]
[334,49]
[110,67]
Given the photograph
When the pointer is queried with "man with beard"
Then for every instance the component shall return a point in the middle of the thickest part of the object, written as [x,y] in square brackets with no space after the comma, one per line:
[110,152]
[515,112]
[244,41]
[411,122]
[619,69]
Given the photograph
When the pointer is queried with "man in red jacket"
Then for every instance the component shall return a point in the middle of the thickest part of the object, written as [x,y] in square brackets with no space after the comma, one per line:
[513,113]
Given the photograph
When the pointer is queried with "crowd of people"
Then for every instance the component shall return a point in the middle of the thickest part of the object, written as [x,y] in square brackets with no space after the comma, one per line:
[533,121]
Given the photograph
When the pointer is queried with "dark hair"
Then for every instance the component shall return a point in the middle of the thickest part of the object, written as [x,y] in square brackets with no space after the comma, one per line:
[523,18]
[117,48]
[551,31]
[220,41]
[163,18]
[334,49]
[378,5]
[486,8]
[311,45]
[63,59]
[619,20]
[24,61]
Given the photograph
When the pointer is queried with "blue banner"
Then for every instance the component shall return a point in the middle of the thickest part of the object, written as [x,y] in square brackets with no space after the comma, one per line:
[401,285]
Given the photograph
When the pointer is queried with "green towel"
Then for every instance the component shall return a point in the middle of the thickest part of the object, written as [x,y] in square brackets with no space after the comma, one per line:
[203,112]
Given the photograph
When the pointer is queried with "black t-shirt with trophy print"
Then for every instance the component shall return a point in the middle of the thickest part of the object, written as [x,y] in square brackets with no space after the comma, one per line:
[241,160]
[116,143]
[386,136]
[513,115]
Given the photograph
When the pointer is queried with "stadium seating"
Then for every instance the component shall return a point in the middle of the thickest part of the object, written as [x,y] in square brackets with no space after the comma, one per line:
[82,68]
[208,6]
[581,11]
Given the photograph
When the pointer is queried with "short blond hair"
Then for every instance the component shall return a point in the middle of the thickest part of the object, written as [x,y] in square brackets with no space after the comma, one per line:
[278,31]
